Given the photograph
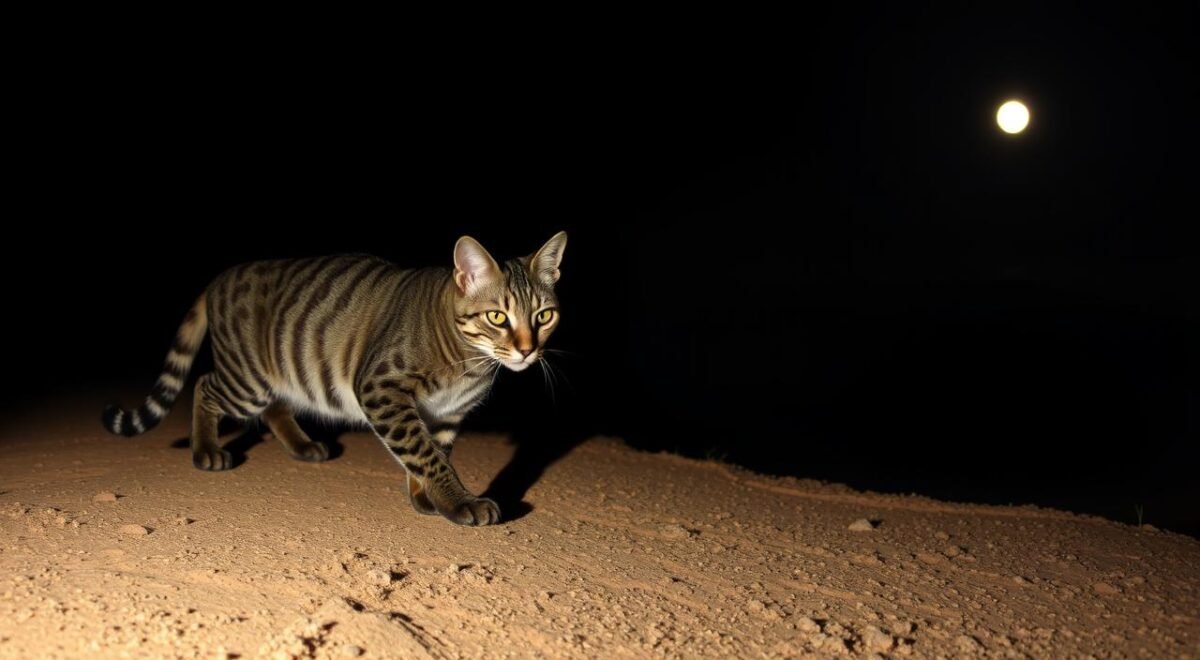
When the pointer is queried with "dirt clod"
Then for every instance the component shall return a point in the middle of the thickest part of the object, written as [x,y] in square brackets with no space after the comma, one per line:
[379,578]
[875,640]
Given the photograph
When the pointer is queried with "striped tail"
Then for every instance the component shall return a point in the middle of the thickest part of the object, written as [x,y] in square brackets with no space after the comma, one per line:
[179,361]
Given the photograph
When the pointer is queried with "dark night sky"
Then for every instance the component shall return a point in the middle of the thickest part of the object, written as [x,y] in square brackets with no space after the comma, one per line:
[807,248]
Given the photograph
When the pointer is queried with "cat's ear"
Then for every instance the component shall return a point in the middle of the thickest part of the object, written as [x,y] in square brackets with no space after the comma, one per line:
[544,263]
[473,266]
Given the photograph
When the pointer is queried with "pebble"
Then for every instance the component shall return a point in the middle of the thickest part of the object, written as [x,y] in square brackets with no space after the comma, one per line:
[968,644]
[805,624]
[104,496]
[876,640]
[861,525]
[379,577]
[352,651]
[134,530]
[675,531]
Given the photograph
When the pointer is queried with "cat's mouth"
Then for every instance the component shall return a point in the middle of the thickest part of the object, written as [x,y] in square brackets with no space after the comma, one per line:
[521,364]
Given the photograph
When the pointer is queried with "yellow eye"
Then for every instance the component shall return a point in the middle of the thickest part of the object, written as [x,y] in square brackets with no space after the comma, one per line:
[497,318]
[544,316]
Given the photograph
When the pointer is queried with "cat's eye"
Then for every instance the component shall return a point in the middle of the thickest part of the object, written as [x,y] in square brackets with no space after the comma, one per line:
[543,317]
[497,318]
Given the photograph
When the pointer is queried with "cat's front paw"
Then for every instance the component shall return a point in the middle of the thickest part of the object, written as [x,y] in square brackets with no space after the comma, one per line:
[212,459]
[312,452]
[475,511]
[420,501]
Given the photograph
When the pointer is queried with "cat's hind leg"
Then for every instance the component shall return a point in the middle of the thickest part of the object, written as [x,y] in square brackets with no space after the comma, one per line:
[282,422]
[215,399]
[206,414]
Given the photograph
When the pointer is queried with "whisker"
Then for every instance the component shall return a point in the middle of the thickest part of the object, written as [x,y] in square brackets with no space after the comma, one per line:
[472,369]
[475,362]
[495,372]
[548,382]
[471,359]
[557,374]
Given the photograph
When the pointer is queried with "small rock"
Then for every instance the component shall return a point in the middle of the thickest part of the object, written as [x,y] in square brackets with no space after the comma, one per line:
[134,530]
[675,531]
[184,521]
[1105,589]
[352,651]
[861,525]
[942,536]
[952,551]
[968,644]
[876,640]
[807,625]
[104,496]
[927,558]
[379,578]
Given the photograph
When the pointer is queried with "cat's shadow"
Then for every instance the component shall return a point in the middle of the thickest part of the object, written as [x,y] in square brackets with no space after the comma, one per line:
[537,448]
[249,434]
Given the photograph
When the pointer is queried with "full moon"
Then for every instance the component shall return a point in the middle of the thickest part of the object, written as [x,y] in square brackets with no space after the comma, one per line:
[1012,117]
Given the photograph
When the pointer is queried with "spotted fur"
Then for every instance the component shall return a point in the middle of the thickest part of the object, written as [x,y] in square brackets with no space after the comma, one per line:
[356,339]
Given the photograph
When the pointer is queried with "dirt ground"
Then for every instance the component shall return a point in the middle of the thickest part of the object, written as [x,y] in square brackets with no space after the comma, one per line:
[113,547]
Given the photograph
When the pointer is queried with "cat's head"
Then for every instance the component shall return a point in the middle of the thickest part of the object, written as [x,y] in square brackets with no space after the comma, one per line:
[507,312]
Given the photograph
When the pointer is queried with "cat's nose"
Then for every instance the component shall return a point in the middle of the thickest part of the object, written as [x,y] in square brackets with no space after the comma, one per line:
[525,351]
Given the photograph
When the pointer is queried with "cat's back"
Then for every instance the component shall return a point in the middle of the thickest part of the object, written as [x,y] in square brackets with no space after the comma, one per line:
[265,281]
[301,325]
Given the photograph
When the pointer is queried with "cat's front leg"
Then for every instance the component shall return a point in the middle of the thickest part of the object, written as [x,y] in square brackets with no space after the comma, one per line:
[444,432]
[390,407]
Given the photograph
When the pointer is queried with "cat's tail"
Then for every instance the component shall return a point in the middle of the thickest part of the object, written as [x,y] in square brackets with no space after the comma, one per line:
[179,362]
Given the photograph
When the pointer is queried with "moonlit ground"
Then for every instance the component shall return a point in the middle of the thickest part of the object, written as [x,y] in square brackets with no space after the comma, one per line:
[113,546]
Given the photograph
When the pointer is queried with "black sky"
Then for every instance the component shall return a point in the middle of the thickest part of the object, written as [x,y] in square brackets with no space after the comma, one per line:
[799,242]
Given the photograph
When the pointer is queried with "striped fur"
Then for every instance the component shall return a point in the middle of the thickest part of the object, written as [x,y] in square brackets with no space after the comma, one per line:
[355,339]
[170,382]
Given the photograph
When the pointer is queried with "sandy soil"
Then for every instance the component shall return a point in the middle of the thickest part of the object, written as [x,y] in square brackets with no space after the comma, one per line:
[121,547]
